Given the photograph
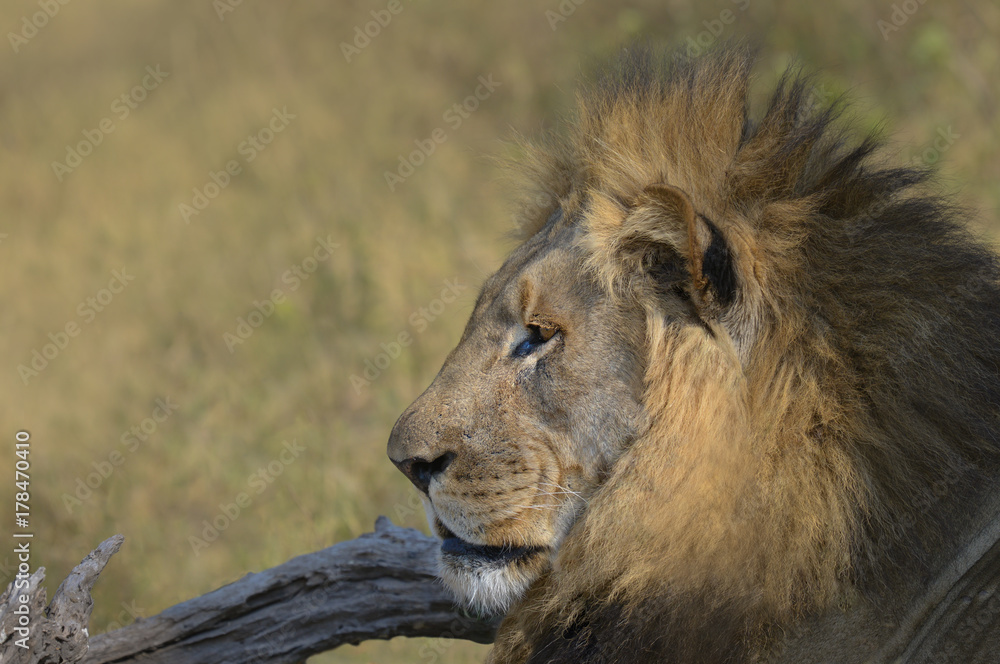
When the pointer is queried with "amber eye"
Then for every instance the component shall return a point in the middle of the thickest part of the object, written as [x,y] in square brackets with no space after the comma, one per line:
[538,335]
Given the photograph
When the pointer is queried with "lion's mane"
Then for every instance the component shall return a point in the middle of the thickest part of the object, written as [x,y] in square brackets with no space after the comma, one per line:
[836,425]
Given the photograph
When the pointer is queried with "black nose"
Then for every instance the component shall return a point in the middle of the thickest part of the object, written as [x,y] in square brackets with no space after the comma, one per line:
[421,471]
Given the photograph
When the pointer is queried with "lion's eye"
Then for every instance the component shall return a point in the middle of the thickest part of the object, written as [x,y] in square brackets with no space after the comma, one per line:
[537,336]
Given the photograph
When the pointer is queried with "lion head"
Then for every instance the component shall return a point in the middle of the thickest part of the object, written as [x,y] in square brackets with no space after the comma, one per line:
[557,368]
[714,389]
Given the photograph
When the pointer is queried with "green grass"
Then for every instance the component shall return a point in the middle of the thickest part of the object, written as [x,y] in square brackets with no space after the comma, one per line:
[324,175]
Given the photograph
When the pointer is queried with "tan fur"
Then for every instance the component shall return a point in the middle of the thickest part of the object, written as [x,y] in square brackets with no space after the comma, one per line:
[767,350]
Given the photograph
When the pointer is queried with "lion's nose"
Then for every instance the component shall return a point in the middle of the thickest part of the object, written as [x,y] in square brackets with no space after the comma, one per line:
[421,471]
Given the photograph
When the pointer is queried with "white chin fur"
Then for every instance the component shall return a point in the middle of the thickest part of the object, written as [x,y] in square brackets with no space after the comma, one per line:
[486,589]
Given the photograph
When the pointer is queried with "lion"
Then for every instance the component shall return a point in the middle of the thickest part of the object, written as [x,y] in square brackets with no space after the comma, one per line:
[734,398]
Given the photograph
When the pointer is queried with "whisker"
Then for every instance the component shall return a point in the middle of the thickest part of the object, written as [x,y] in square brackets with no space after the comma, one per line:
[565,490]
[560,487]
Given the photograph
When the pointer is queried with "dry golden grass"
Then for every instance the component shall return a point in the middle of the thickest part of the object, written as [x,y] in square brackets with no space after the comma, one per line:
[323,175]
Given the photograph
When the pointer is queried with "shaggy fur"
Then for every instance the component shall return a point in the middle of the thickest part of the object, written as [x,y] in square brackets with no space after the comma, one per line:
[820,370]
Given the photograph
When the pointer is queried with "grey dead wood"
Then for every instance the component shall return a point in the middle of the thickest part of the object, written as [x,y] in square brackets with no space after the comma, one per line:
[383,585]
[378,586]
[57,632]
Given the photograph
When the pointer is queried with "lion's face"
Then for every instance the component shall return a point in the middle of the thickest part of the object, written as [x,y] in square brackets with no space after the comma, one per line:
[525,418]
[706,400]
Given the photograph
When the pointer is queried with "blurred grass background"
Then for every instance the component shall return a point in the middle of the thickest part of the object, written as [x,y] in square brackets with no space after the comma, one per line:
[932,75]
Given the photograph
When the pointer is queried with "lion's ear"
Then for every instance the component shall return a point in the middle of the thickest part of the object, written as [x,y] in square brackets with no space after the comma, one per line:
[709,260]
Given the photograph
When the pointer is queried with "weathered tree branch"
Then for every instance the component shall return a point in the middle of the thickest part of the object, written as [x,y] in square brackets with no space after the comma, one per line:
[57,633]
[378,586]
[383,585]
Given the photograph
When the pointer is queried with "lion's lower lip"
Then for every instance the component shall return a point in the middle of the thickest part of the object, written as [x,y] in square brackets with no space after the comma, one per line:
[492,554]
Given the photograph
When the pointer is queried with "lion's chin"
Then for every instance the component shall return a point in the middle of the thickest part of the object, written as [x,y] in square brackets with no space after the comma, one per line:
[489,579]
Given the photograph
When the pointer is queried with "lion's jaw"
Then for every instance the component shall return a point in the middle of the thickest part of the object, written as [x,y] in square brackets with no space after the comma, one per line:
[487,579]
[521,426]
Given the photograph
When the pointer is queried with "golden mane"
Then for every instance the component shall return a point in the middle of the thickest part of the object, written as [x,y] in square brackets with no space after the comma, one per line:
[829,429]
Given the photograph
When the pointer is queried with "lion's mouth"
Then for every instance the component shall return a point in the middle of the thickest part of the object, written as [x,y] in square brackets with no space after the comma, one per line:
[490,579]
[453,545]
